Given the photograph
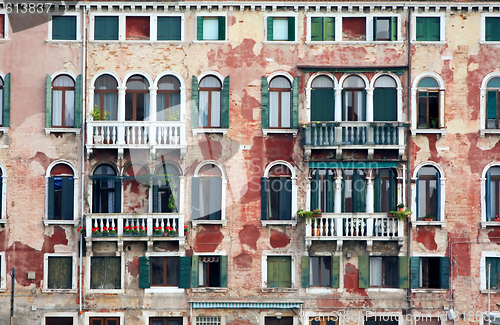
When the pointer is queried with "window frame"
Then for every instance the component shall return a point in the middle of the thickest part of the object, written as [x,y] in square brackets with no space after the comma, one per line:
[483,28]
[211,15]
[72,315]
[442,196]
[383,272]
[102,92]
[3,192]
[116,190]
[88,275]
[64,91]
[441,130]
[164,319]
[294,189]
[483,270]
[210,108]
[442,259]
[221,320]
[76,182]
[293,285]
[442,29]
[134,92]
[6,25]
[78,31]
[165,288]
[119,315]
[483,113]
[281,15]
[74,272]
[484,193]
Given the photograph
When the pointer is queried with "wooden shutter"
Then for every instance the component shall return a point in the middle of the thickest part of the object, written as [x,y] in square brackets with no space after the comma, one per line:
[434,29]
[285,199]
[70,28]
[285,272]
[144,272]
[322,104]
[364,271]
[162,28]
[184,272]
[295,103]
[403,272]
[194,103]
[420,29]
[223,271]
[112,28]
[222,28]
[335,271]
[272,271]
[194,271]
[270,22]
[377,197]
[118,195]
[444,272]
[195,198]
[438,203]
[494,272]
[393,189]
[329,28]
[330,193]
[394,29]
[385,104]
[305,272]
[199,28]
[291,28]
[169,29]
[215,208]
[67,198]
[414,272]
[58,27]
[488,196]
[48,102]
[60,273]
[492,26]
[316,29]
[50,198]
[374,28]
[78,102]
[264,194]
[6,101]
[265,103]
[225,101]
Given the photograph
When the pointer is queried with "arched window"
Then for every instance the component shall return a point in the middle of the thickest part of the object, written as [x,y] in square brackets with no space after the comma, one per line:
[322,99]
[493,104]
[280,96]
[428,104]
[166,189]
[277,194]
[63,101]
[428,193]
[168,99]
[210,102]
[207,193]
[385,99]
[60,194]
[106,97]
[137,99]
[354,97]
[106,190]
[492,193]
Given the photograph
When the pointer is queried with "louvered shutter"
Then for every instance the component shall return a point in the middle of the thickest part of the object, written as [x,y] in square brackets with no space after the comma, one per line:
[285,196]
[195,271]
[67,198]
[403,272]
[444,272]
[316,29]
[118,195]
[291,28]
[270,22]
[195,198]
[364,271]
[184,272]
[223,271]
[6,102]
[265,103]
[78,102]
[335,271]
[48,102]
[295,103]
[222,28]
[414,272]
[264,193]
[225,101]
[305,272]
[144,272]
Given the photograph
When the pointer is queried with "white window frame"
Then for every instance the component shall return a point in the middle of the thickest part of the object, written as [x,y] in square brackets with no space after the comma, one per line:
[182,185]
[170,314]
[442,29]
[211,15]
[288,76]
[78,27]
[74,315]
[293,258]
[154,29]
[6,26]
[76,183]
[396,289]
[284,313]
[3,272]
[483,270]
[163,289]
[369,28]
[308,34]
[483,40]
[88,263]
[424,255]
[211,289]
[3,212]
[483,104]
[282,15]
[484,221]
[74,272]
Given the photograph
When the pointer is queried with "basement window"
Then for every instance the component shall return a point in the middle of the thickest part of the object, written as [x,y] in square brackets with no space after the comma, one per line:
[137,28]
[354,29]
[165,321]
[279,321]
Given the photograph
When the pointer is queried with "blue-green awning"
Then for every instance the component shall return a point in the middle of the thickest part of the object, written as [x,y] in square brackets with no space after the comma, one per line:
[353,164]
[246,305]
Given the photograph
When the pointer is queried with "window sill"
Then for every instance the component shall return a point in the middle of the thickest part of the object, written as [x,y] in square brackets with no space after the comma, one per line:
[223,223]
[60,222]
[209,289]
[441,132]
[266,223]
[69,41]
[279,289]
[429,42]
[485,224]
[423,290]
[3,221]
[281,42]
[4,129]
[210,41]
[62,130]
[393,290]
[266,132]
[484,132]
[322,291]
[197,132]
[414,224]
[4,40]
[164,290]
[59,290]
[491,291]
[106,291]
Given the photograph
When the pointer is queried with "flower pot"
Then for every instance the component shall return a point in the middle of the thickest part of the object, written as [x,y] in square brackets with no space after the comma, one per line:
[127,234]
[401,209]
[158,234]
[97,234]
[428,219]
[497,219]
[112,234]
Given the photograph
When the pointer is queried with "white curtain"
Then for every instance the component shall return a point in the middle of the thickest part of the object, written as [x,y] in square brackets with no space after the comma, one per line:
[285,110]
[215,109]
[376,271]
[110,106]
[57,108]
[280,29]
[161,102]
[273,109]
[69,110]
[211,28]
[1,105]
[322,82]
[203,112]
[385,82]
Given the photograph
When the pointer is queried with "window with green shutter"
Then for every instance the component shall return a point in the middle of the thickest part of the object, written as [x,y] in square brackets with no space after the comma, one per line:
[385,28]
[209,271]
[211,28]
[322,29]
[279,272]
[281,28]
[166,189]
[492,272]
[169,28]
[492,29]
[493,103]
[105,272]
[322,99]
[165,271]
[5,101]
[60,272]
[428,29]
[354,191]
[64,28]
[322,189]
[61,198]
[106,190]
[106,28]
[429,272]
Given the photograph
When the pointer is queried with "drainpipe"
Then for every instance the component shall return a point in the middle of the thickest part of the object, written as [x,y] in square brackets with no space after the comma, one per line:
[408,139]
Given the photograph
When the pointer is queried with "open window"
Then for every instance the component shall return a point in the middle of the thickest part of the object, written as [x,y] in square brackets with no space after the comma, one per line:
[211,98]
[428,104]
[61,193]
[209,271]
[3,30]
[323,190]
[137,99]
[211,28]
[280,100]
[383,271]
[430,272]
[429,193]
[353,191]
[492,197]
[106,190]
[5,100]
[354,29]
[492,272]
[277,190]
[493,103]
[164,272]
[385,28]
[385,190]
[137,27]
[166,189]
[320,271]
[136,183]
[106,97]
[322,99]
[354,99]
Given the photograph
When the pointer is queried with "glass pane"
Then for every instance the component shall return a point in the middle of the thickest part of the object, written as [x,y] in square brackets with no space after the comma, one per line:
[494,83]
[110,104]
[354,82]
[376,271]
[63,81]
[137,83]
[285,109]
[385,82]
[274,199]
[210,82]
[57,108]
[106,82]
[169,83]
[203,110]
[210,28]
[322,82]
[280,29]
[314,271]
[69,111]
[428,82]
[172,271]
[215,109]
[422,110]
[383,28]
[157,272]
[280,82]
[273,109]
[325,271]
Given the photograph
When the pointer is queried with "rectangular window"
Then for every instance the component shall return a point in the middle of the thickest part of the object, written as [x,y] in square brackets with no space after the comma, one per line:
[213,320]
[169,28]
[493,267]
[384,272]
[61,198]
[492,29]
[105,273]
[428,110]
[354,29]
[281,28]
[59,321]
[279,272]
[165,271]
[320,271]
[323,320]
[279,199]
[212,28]
[279,321]
[322,29]
[492,109]
[137,27]
[428,29]
[2,25]
[210,271]
[104,321]
[60,272]
[106,28]
[430,272]
[385,28]
[64,28]
[165,321]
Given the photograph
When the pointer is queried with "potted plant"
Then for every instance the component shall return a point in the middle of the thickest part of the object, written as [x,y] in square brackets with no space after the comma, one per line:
[305,214]
[105,231]
[127,231]
[429,217]
[143,231]
[96,116]
[158,231]
[96,232]
[173,233]
[135,230]
[113,232]
[401,207]
[400,214]
[317,213]
[82,230]
[185,230]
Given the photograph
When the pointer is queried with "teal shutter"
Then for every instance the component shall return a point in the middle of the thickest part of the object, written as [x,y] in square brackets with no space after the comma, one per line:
[106,28]
[403,272]
[358,192]
[285,272]
[315,192]
[374,28]
[295,103]
[434,29]
[118,195]
[215,208]
[184,272]
[394,28]
[488,196]
[222,29]
[342,195]
[414,272]
[494,272]
[491,108]
[78,102]
[264,193]
[144,272]
[364,271]
[169,29]
[225,103]
[155,199]
[316,29]
[272,271]
[335,272]
[199,28]
[444,272]
[285,199]
[48,102]
[291,28]
[330,193]
[194,271]
[6,101]
[322,104]
[194,103]
[223,271]
[195,198]
[438,203]
[67,198]
[265,104]
[329,29]
[420,29]
[343,106]
[305,272]
[393,189]
[270,22]
[377,198]
[385,104]
[50,198]
[58,27]
[492,28]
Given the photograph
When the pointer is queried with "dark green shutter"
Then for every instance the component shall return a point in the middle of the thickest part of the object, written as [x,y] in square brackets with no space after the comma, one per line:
[67,199]
[270,22]
[118,195]
[225,101]
[106,28]
[291,28]
[222,29]
[285,199]
[199,28]
[194,271]
[58,27]
[491,106]
[195,198]
[48,102]
[155,199]
[78,102]
[342,194]
[343,105]
[488,196]
[329,29]
[364,271]
[385,104]
[194,104]
[403,272]
[184,272]
[414,272]
[59,272]
[50,198]
[358,192]
[492,28]
[215,208]
[322,104]
[144,272]
[377,197]
[272,271]
[6,102]
[315,192]
[169,29]
[335,271]
[295,103]
[393,189]
[316,29]
[374,28]
[330,193]
[494,271]
[444,272]
[223,271]
[285,272]
[420,29]
[434,29]
[264,192]
[265,103]
[394,28]
[305,272]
